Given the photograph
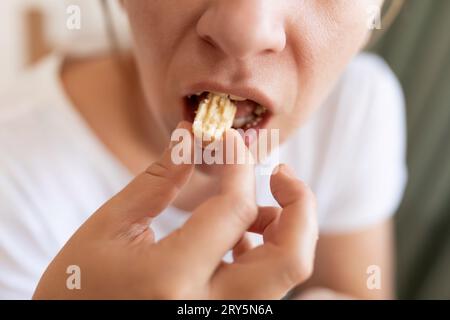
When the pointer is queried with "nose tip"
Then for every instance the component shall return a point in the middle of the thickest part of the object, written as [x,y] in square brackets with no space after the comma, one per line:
[243,28]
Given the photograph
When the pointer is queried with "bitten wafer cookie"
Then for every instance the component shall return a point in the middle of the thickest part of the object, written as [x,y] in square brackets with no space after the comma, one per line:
[214,116]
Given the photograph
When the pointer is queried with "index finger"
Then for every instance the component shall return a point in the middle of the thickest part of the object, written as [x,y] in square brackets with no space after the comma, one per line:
[219,223]
[150,192]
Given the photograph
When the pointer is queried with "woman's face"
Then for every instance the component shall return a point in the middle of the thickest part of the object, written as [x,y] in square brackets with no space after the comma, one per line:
[285,55]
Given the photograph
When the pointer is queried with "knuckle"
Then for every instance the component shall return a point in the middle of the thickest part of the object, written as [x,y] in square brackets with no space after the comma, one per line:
[159,170]
[162,173]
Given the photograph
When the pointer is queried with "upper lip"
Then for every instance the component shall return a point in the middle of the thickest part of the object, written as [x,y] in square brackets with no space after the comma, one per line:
[250,93]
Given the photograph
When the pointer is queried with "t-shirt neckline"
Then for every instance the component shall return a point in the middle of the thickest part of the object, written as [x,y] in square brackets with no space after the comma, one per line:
[93,144]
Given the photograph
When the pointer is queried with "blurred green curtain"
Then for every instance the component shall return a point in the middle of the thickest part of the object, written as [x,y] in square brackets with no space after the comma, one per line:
[417,47]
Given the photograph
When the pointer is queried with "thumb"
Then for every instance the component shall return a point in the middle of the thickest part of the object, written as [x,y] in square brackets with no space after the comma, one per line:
[218,224]
[152,191]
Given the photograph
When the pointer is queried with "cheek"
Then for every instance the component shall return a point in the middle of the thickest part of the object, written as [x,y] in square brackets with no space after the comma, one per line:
[344,25]
[151,33]
[157,27]
[339,30]
[325,40]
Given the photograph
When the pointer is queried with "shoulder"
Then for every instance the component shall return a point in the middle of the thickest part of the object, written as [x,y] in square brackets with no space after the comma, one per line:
[31,141]
[366,112]
[363,114]
[24,119]
[354,147]
[372,64]
[30,104]
[369,145]
[29,97]
[368,82]
[368,68]
[366,103]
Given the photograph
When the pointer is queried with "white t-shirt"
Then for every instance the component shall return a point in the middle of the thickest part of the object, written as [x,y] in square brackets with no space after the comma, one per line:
[54,172]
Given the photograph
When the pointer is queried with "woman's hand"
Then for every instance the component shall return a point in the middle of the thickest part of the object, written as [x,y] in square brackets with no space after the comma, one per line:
[118,257]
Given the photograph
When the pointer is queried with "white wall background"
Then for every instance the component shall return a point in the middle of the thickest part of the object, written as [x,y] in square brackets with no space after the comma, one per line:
[91,36]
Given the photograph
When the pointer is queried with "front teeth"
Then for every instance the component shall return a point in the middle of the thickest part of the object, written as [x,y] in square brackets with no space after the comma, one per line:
[198,94]
[236,98]
[223,95]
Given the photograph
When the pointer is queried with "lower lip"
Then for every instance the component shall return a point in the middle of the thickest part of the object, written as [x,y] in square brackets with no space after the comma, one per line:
[189,116]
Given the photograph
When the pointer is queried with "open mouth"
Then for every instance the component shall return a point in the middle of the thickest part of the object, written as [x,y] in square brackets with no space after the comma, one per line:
[249,114]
